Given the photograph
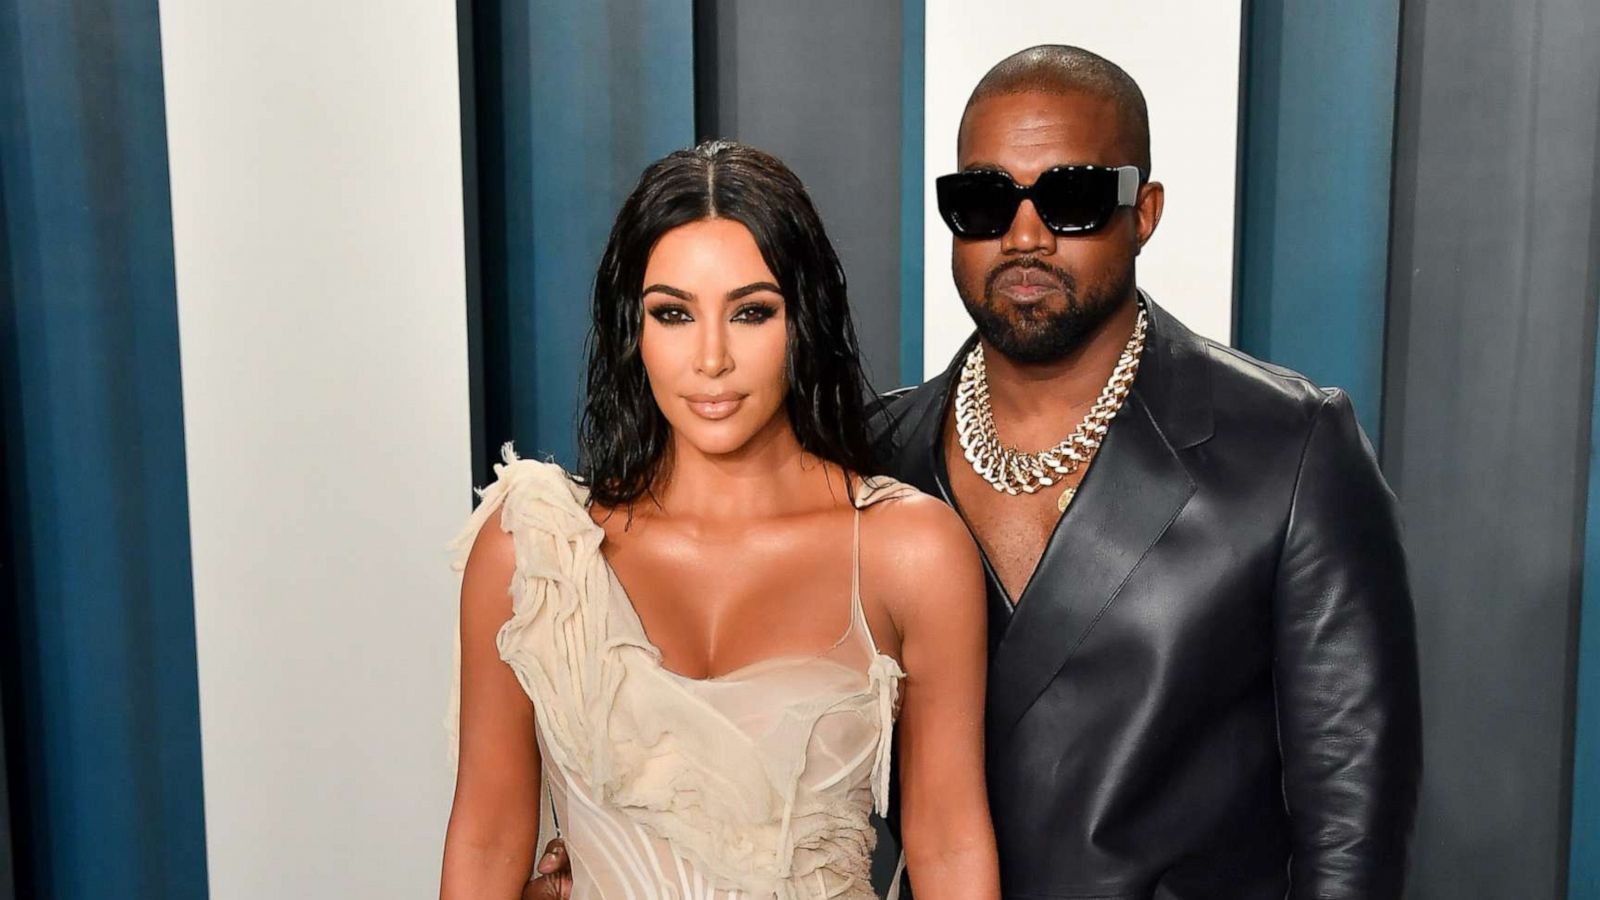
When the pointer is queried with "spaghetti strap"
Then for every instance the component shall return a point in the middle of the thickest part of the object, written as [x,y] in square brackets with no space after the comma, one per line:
[870,489]
[855,564]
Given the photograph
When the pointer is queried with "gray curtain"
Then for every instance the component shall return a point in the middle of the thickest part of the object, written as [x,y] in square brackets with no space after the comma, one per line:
[1488,392]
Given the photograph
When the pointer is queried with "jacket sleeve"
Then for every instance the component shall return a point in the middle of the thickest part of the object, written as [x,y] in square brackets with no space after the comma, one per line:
[1345,668]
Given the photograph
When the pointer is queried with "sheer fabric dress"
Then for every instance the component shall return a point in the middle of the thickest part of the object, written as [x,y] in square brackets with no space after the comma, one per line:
[755,785]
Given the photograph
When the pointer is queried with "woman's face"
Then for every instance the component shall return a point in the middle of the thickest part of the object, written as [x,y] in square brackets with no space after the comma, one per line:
[715,335]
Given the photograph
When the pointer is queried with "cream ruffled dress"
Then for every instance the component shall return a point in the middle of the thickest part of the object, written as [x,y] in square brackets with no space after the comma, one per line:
[755,785]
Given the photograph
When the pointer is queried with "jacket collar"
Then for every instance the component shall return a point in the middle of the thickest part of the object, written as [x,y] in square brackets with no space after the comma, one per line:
[1174,379]
[1135,488]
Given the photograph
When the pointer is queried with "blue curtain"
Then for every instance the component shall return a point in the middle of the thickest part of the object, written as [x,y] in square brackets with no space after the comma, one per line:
[1316,162]
[570,101]
[101,706]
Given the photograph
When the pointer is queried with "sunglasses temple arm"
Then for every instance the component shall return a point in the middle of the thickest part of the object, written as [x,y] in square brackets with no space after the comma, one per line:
[1127,185]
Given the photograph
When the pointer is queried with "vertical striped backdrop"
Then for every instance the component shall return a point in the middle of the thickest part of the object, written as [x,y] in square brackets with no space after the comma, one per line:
[278,280]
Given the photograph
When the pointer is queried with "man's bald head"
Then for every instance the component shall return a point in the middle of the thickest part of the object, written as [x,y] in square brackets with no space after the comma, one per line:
[1060,69]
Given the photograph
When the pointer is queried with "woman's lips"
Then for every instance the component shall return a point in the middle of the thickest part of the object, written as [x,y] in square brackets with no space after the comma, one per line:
[714,406]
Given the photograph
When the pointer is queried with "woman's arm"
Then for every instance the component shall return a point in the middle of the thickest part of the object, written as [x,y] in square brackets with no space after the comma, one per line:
[935,595]
[494,820]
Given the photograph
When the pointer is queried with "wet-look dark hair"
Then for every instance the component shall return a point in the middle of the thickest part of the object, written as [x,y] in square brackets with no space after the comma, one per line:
[623,435]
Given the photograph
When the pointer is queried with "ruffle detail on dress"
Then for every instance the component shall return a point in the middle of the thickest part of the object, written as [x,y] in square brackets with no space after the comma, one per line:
[558,563]
[610,715]
[884,676]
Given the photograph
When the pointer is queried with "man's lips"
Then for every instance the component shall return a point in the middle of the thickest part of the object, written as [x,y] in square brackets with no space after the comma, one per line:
[1027,293]
[1026,284]
[1026,277]
[714,406]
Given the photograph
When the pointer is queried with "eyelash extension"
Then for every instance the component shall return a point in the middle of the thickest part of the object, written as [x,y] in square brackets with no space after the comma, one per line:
[749,314]
[762,312]
[670,314]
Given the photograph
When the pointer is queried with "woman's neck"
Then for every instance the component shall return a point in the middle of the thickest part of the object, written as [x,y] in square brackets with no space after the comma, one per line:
[770,475]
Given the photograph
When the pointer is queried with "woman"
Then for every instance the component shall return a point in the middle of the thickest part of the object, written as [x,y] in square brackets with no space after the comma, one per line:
[703,642]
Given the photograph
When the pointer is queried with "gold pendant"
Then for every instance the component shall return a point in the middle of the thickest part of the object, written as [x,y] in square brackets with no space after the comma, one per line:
[1066,498]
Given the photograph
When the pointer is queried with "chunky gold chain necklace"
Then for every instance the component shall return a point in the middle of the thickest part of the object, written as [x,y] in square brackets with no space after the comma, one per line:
[1014,471]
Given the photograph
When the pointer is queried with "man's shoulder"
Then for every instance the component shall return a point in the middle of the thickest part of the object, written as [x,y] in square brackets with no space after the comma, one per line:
[1266,414]
[1250,391]
[1269,384]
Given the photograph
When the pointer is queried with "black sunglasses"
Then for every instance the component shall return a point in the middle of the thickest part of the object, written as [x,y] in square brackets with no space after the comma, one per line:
[1069,199]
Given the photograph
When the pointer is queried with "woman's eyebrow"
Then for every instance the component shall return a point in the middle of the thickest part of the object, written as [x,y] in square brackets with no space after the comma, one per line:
[668,290]
[754,287]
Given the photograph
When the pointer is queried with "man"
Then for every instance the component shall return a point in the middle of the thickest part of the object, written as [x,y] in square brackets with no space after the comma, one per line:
[1203,676]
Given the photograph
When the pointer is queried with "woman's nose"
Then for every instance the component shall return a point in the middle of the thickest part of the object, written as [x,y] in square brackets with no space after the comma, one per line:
[712,358]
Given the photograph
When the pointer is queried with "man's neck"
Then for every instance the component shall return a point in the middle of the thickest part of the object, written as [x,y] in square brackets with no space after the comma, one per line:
[1063,389]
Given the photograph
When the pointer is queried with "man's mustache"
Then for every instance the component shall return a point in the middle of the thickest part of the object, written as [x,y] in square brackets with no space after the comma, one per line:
[1069,285]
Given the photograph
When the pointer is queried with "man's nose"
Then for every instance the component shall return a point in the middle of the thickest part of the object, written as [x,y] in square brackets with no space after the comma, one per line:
[1028,233]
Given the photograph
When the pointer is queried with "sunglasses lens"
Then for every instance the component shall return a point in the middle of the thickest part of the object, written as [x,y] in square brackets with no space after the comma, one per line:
[1073,201]
[977,204]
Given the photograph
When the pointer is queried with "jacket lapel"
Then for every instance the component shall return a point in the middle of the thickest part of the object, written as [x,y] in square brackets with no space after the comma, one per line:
[1133,490]
[1131,494]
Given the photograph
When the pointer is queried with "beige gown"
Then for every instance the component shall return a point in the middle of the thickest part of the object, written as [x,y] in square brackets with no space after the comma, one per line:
[755,785]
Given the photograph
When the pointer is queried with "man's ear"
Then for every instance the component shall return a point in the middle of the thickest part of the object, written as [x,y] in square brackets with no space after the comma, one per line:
[1147,210]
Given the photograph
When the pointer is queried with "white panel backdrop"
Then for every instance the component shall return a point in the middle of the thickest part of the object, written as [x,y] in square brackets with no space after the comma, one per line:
[316,179]
[1185,56]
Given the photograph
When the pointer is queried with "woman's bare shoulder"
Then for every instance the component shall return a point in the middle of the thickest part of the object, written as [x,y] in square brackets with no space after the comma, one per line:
[910,519]
[493,543]
[921,549]
[489,565]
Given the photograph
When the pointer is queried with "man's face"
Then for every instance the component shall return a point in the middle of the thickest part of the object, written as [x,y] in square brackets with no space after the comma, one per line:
[1035,295]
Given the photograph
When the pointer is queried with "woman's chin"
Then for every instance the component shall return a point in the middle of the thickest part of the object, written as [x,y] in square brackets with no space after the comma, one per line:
[722,437]
[718,441]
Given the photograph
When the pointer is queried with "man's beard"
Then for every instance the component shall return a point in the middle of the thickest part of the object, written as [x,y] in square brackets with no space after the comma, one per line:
[1033,334]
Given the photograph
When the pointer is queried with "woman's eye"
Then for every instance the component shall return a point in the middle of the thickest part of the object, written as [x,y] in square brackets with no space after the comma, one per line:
[670,315]
[754,314]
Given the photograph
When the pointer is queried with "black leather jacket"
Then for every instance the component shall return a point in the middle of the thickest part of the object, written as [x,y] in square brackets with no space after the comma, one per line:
[1209,687]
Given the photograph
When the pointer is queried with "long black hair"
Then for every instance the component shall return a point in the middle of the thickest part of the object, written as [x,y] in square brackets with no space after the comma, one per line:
[623,435]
